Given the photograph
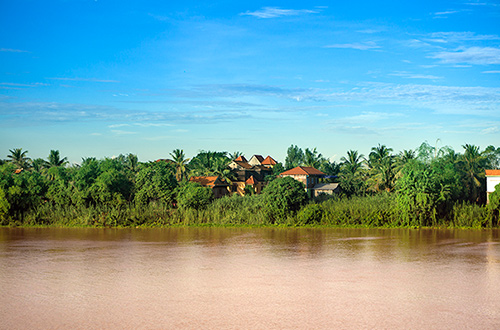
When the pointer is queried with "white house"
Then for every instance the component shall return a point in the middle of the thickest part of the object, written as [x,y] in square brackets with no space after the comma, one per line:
[492,179]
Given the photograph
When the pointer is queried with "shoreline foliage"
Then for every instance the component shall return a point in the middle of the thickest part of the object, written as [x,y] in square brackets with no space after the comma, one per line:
[425,187]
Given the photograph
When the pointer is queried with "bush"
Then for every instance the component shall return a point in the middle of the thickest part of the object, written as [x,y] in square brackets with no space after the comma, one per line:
[310,214]
[283,196]
[192,195]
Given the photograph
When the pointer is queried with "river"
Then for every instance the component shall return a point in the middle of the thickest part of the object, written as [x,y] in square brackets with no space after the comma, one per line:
[249,278]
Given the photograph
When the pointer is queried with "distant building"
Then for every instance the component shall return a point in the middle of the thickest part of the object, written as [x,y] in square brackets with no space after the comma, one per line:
[219,186]
[251,173]
[309,176]
[325,188]
[492,179]
[256,160]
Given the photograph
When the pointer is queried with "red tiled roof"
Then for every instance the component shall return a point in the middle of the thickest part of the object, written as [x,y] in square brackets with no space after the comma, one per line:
[303,170]
[250,180]
[269,161]
[492,172]
[19,170]
[241,159]
[207,180]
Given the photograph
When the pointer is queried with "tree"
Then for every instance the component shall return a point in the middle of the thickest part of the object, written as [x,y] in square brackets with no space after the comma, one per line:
[206,163]
[353,161]
[294,157]
[313,158]
[18,157]
[155,182]
[235,155]
[351,179]
[381,168]
[473,164]
[180,162]
[55,159]
[192,195]
[282,196]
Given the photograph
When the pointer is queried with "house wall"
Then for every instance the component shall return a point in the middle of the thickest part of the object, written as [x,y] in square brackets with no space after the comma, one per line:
[491,182]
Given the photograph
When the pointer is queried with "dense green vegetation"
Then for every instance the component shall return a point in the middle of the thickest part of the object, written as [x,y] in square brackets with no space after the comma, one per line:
[422,187]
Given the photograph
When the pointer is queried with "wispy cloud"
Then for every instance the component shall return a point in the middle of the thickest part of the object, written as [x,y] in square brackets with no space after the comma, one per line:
[493,71]
[414,75]
[273,12]
[85,79]
[458,37]
[369,45]
[472,55]
[444,13]
[10,50]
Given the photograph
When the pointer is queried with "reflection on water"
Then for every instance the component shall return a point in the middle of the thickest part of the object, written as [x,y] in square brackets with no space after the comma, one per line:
[241,278]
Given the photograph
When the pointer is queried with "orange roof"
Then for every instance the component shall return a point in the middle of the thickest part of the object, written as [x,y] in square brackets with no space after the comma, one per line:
[269,161]
[241,159]
[207,180]
[303,170]
[492,172]
[250,180]
[19,170]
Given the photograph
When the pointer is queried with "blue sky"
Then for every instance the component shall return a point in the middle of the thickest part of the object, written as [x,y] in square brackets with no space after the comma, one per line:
[100,78]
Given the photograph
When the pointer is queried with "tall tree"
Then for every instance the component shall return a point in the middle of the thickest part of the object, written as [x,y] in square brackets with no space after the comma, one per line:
[353,162]
[18,157]
[473,164]
[180,162]
[294,157]
[55,159]
[313,158]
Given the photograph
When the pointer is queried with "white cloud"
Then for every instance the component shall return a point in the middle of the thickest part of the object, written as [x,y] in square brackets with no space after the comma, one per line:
[273,12]
[9,50]
[85,79]
[472,55]
[493,71]
[456,37]
[490,130]
[414,75]
[360,46]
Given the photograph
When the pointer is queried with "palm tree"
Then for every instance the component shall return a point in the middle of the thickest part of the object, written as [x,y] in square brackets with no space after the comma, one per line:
[353,161]
[472,161]
[132,161]
[18,157]
[312,158]
[235,155]
[378,155]
[180,163]
[54,159]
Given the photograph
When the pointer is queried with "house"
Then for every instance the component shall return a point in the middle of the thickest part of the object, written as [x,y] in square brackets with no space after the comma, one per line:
[269,162]
[219,186]
[492,179]
[309,176]
[251,173]
[326,188]
[256,160]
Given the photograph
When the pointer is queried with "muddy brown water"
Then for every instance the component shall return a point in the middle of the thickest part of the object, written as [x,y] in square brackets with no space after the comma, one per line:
[249,278]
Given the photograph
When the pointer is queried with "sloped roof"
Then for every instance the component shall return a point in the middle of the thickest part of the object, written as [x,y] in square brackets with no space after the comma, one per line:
[492,172]
[326,186]
[303,170]
[243,164]
[269,161]
[208,181]
[241,159]
[259,158]
[250,180]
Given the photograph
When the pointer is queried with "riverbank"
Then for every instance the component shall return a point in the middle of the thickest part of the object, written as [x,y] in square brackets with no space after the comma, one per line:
[377,211]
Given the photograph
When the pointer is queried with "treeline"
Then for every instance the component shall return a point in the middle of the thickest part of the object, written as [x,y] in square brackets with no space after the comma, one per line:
[422,187]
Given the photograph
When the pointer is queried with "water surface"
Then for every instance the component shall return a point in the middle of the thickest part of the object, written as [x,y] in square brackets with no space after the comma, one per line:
[241,278]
